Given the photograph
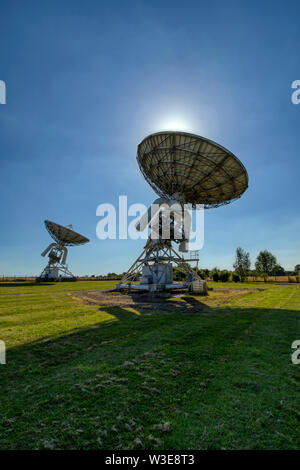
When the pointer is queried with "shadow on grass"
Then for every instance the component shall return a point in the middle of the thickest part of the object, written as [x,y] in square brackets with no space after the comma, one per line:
[215,322]
[51,381]
[195,303]
[76,343]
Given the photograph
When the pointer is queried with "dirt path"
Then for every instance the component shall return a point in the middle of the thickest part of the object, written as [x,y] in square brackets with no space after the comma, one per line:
[144,301]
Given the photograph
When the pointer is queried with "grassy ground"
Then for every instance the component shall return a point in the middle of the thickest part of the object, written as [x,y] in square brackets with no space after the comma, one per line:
[82,376]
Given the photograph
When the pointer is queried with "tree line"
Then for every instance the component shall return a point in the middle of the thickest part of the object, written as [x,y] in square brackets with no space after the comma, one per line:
[265,265]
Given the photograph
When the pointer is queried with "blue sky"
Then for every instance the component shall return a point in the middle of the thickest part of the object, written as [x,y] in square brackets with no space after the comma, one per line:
[87,80]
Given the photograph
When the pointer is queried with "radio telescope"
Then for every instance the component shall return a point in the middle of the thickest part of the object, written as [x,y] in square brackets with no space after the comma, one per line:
[57,268]
[182,168]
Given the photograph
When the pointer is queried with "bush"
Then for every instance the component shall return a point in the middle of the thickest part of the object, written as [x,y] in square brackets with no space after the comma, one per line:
[202,273]
[224,276]
[178,275]
[235,277]
[214,274]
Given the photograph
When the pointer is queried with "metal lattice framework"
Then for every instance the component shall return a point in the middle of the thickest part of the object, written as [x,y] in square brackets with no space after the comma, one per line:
[64,235]
[57,252]
[197,169]
[154,253]
[63,271]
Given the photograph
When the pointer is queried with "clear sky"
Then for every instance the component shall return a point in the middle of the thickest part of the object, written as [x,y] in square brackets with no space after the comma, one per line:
[87,80]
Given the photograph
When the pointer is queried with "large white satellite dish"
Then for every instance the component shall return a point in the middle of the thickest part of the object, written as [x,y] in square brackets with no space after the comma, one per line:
[182,168]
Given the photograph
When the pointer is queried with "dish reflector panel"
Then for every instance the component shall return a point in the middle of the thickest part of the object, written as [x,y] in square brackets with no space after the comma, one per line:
[197,169]
[64,235]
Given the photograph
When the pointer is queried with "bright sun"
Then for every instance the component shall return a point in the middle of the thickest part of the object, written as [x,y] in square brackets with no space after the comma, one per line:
[175,125]
[176,122]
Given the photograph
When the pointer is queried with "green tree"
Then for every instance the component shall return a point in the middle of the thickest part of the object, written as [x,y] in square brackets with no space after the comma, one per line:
[178,274]
[224,275]
[242,263]
[214,274]
[202,273]
[278,271]
[265,263]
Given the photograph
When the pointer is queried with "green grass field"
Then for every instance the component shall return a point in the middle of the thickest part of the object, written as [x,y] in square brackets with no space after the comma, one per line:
[82,376]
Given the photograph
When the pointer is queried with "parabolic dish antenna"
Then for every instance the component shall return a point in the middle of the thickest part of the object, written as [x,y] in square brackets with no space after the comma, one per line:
[196,169]
[57,268]
[182,168]
[65,235]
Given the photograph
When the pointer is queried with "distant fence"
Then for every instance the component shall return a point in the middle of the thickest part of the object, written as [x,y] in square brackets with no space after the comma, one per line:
[284,279]
[17,278]
[79,278]
[273,279]
[99,278]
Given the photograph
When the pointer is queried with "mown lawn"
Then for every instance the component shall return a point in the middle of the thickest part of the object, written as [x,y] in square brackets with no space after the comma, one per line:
[87,377]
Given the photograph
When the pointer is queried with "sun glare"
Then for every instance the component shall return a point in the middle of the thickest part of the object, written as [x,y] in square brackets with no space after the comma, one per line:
[181,121]
[175,125]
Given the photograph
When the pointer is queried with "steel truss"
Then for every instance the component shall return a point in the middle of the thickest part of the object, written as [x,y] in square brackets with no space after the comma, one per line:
[155,254]
[56,268]
[63,272]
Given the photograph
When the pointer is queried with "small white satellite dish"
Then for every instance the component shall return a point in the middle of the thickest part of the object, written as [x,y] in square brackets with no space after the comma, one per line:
[56,268]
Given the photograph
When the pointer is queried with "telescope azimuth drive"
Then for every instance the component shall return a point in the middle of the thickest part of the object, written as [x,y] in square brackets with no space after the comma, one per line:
[57,268]
[182,168]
